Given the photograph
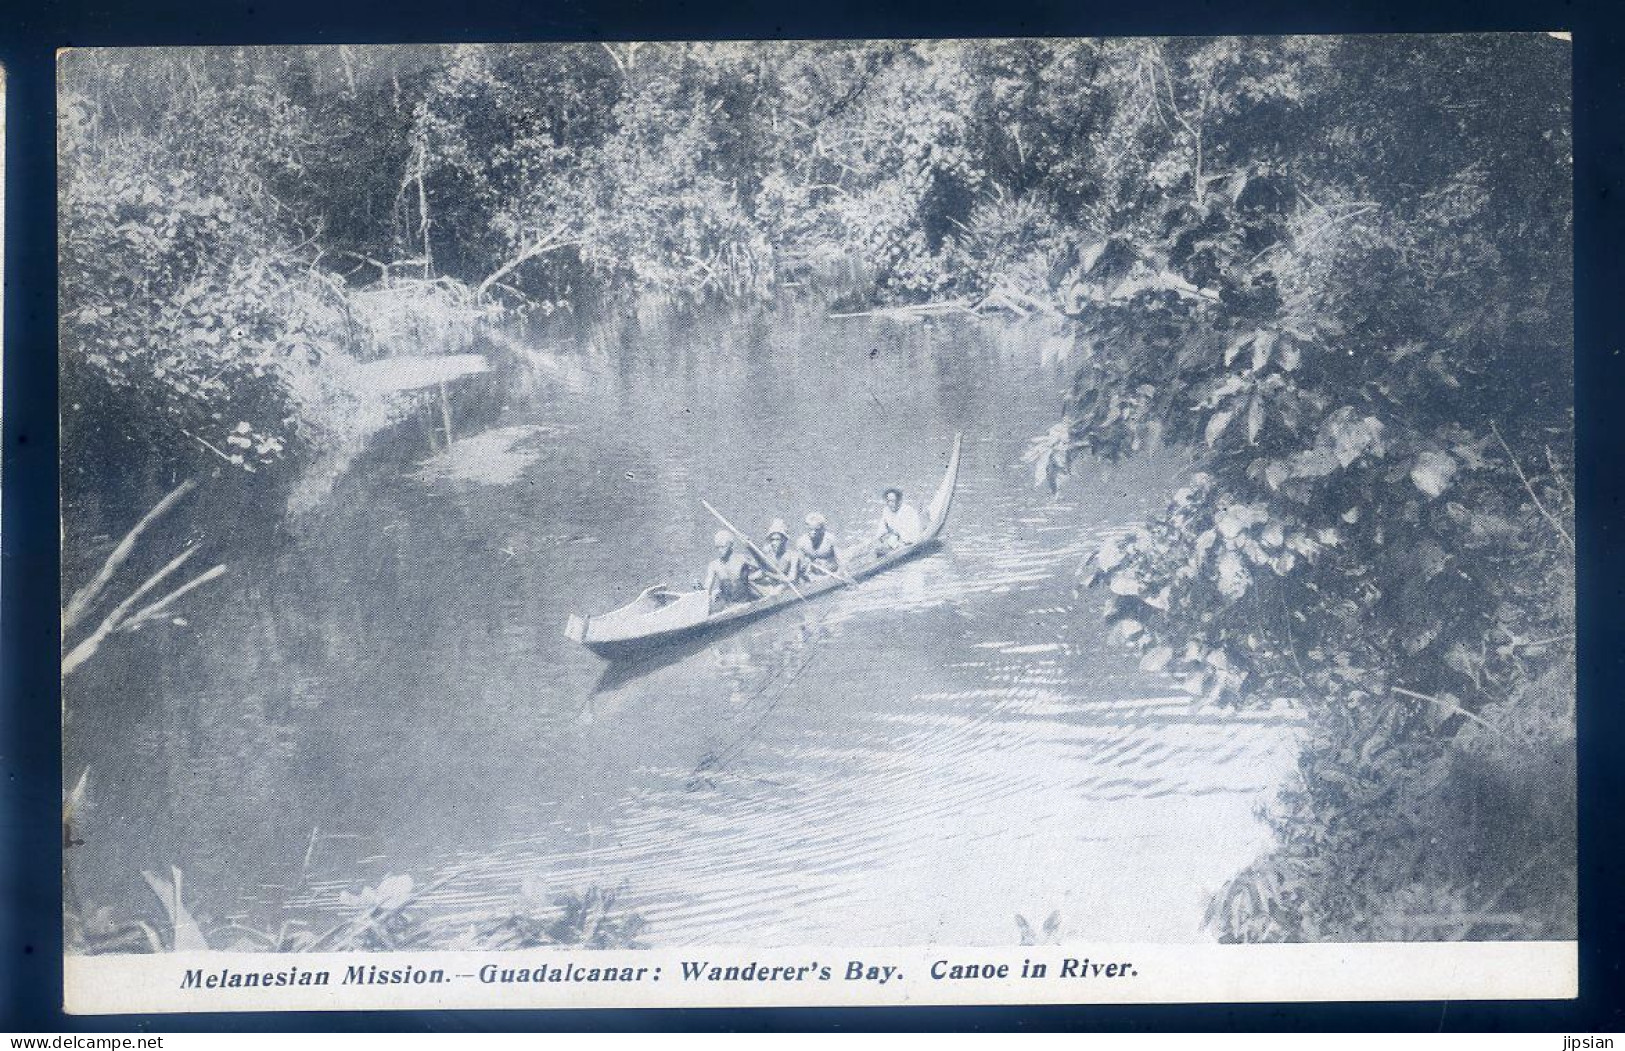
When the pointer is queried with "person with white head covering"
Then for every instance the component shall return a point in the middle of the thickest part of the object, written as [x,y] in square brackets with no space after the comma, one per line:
[780,563]
[815,551]
[728,577]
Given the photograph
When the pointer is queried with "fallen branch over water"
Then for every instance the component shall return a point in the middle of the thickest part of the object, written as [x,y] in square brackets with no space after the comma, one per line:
[543,245]
[82,599]
[120,618]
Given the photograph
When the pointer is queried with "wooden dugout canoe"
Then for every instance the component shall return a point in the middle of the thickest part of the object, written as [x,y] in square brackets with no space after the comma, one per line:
[663,614]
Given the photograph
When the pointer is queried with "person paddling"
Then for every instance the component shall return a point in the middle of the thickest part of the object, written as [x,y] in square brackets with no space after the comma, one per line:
[900,523]
[815,551]
[728,577]
[780,563]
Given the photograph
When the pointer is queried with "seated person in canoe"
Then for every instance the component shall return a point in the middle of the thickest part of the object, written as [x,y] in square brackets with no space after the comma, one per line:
[900,524]
[779,564]
[815,551]
[730,576]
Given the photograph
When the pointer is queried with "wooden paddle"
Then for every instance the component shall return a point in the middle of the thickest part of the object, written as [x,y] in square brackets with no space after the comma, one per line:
[758,552]
[836,573]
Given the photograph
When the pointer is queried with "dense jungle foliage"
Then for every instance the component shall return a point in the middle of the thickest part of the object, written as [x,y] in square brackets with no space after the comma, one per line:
[1337,271]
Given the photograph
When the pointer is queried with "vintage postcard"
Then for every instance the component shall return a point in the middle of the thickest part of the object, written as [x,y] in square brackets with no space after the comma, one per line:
[983,521]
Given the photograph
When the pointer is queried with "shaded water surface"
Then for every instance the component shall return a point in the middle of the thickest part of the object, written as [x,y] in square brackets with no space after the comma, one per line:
[916,759]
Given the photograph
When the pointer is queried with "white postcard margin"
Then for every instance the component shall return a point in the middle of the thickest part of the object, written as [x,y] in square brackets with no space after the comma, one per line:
[821,977]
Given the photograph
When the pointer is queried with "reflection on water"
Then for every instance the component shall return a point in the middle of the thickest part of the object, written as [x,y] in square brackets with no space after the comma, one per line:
[915,759]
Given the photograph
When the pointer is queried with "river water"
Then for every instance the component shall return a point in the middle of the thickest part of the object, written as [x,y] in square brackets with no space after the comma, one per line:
[917,759]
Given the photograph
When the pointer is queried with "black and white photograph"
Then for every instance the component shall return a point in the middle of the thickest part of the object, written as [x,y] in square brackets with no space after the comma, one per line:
[754,506]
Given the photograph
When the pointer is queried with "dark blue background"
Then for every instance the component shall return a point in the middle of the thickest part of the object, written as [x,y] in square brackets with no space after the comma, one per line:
[30,794]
